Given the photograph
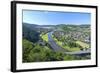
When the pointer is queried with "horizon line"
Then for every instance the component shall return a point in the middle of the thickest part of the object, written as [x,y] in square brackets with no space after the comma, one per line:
[55,24]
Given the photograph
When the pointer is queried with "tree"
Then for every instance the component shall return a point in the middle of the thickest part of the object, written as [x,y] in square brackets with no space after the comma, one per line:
[27,47]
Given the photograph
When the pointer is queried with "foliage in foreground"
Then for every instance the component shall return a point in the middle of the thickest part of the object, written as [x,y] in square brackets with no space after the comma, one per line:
[37,53]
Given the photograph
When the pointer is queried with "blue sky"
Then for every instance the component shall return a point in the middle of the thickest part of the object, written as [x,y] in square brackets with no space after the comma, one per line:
[54,18]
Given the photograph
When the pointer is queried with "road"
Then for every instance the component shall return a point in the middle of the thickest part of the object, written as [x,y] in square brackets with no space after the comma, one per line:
[79,53]
[56,47]
[53,44]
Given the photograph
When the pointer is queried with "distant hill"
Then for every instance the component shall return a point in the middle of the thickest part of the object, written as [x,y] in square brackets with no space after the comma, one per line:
[30,26]
[71,27]
[37,26]
[59,26]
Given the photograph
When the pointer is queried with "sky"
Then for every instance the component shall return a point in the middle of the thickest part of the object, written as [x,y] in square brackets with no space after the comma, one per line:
[55,18]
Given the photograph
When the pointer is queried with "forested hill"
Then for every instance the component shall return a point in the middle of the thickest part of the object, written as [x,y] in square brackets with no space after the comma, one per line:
[30,26]
[72,27]
[29,33]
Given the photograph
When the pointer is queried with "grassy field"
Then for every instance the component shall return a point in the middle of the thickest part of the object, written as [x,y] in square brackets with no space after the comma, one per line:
[71,49]
[44,37]
[84,45]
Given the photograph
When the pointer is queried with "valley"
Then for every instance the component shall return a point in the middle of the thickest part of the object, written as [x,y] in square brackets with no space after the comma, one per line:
[56,42]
